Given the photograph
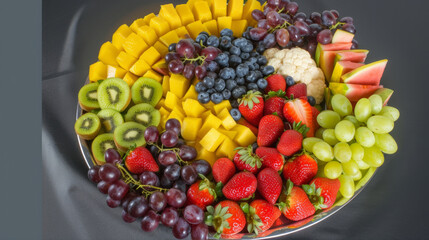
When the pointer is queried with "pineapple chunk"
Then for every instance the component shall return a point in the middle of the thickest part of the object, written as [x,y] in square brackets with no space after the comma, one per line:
[195,28]
[212,140]
[171,101]
[140,67]
[152,74]
[97,71]
[185,14]
[148,34]
[182,32]
[227,121]
[148,17]
[169,38]
[210,157]
[151,56]
[219,8]
[120,35]
[169,13]
[202,11]
[224,22]
[165,85]
[191,93]
[219,107]
[193,108]
[190,128]
[212,27]
[137,24]
[235,9]
[135,45]
[130,78]
[179,85]
[226,149]
[211,122]
[245,136]
[229,134]
[115,72]
[238,27]
[160,25]
[108,53]
[125,60]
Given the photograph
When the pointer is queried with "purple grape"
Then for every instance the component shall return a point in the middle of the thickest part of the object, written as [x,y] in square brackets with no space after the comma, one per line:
[157,201]
[169,138]
[126,200]
[180,142]
[103,186]
[347,19]
[187,153]
[112,156]
[202,167]
[282,37]
[154,151]
[172,172]
[176,66]
[199,232]
[349,27]
[138,207]
[328,19]
[257,34]
[355,44]
[299,17]
[311,46]
[167,158]
[118,190]
[181,229]
[180,185]
[200,71]
[314,29]
[293,33]
[324,36]
[175,198]
[150,222]
[169,217]
[335,13]
[109,173]
[185,48]
[188,71]
[149,178]
[269,41]
[316,17]
[263,24]
[165,183]
[258,14]
[274,2]
[172,56]
[198,48]
[112,202]
[210,53]
[292,8]
[303,28]
[189,175]
[173,125]
[93,174]
[273,18]
[193,214]
[127,217]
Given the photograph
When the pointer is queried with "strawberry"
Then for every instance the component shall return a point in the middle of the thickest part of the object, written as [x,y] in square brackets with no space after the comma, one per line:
[139,160]
[295,205]
[252,107]
[260,215]
[241,186]
[223,169]
[245,159]
[202,193]
[315,113]
[296,91]
[291,140]
[226,218]
[270,158]
[270,129]
[269,184]
[252,128]
[275,82]
[322,192]
[275,103]
[300,170]
[299,110]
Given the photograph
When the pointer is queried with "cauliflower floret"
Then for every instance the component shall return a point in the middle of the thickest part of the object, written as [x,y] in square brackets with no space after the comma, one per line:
[269,53]
[316,89]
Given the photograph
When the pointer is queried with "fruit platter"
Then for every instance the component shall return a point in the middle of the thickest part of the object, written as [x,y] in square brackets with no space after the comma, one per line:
[233,119]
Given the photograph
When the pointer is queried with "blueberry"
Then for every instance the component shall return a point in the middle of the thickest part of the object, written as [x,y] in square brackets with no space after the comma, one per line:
[239,42]
[247,48]
[222,59]
[246,35]
[260,49]
[254,146]
[255,54]
[250,65]
[245,56]
[200,87]
[226,32]
[290,81]
[204,33]
[236,92]
[242,70]
[262,60]
[234,103]
[267,70]
[240,81]
[243,90]
[258,74]
[262,83]
[235,114]
[226,94]
[219,85]
[235,50]
[225,42]
[253,60]
[252,86]
[234,60]
[230,84]
[172,47]
[203,97]
[311,100]
[201,39]
[227,73]
[211,90]
[213,41]
[213,66]
[252,77]
[212,75]
[256,66]
[216,98]
[208,82]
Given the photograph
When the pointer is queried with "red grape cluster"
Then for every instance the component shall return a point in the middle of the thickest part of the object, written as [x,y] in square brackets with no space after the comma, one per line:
[281,24]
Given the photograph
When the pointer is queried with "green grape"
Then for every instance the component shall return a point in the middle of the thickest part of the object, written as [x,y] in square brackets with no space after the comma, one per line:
[309,142]
[319,133]
[342,152]
[323,151]
[365,178]
[332,169]
[320,170]
[347,188]
[341,104]
[345,131]
[386,143]
[328,119]
[355,122]
[350,168]
[357,151]
[341,201]
[376,103]
[391,112]
[357,176]
[380,124]
[329,137]
[363,109]
[364,137]
[373,156]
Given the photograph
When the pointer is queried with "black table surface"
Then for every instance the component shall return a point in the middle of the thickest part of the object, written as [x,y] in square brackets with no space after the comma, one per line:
[392,206]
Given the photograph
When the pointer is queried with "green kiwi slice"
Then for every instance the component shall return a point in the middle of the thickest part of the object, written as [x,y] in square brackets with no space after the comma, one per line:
[100,144]
[87,126]
[146,90]
[144,114]
[110,119]
[87,97]
[129,134]
[114,93]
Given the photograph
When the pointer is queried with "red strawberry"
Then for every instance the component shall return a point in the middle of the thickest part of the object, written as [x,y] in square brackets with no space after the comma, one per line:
[275,103]
[261,215]
[245,159]
[299,110]
[315,113]
[269,184]
[296,91]
[275,82]
[226,218]
[223,169]
[202,193]
[139,160]
[241,186]
[270,129]
[296,205]
[300,170]
[291,140]
[270,158]
[252,107]
[252,128]
[322,192]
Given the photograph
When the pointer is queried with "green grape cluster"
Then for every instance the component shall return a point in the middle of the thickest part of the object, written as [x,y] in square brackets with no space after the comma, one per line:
[350,142]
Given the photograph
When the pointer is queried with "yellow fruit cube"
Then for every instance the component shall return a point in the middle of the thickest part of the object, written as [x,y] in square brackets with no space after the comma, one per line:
[185,14]
[202,11]
[195,28]
[210,157]
[219,8]
[137,24]
[160,104]
[222,105]
[160,25]
[161,48]
[247,11]
[165,85]
[179,111]
[210,122]
[161,67]
[190,128]
[212,140]
[169,38]
[224,22]
[210,105]
[227,121]
[212,27]
[191,143]
[163,111]
[130,78]
[179,85]
[97,71]
[151,56]
[191,93]
[169,13]
[148,34]
[152,74]
[171,101]
[245,136]
[135,45]
[193,108]
[125,60]
[238,27]
[182,32]
[120,35]
[226,149]
[148,17]
[115,72]
[229,134]
[195,81]
[176,115]
[205,114]
[210,2]
[235,9]
[140,67]
[108,53]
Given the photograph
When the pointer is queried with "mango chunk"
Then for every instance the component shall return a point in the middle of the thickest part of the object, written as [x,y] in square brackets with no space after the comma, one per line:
[179,85]
[191,93]
[219,8]
[117,72]
[163,111]
[185,14]
[247,11]
[135,45]
[161,67]
[179,111]
[160,25]
[226,149]
[227,121]
[152,74]
[210,122]
[195,28]
[212,27]
[97,71]
[190,128]
[245,136]
[169,13]
[235,9]
[206,155]
[148,17]
[176,115]
[148,34]
[212,140]
[125,60]
[238,27]
[169,38]
[161,103]
[182,32]
[222,105]
[205,114]
[130,78]
[120,35]
[191,143]
[193,108]
[151,56]
[210,105]
[140,67]
[171,101]
[165,85]
[202,11]
[224,22]
[137,24]
[108,53]
[230,134]
[161,48]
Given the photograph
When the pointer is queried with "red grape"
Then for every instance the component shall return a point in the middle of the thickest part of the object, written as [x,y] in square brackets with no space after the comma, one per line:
[198,48]
[257,34]
[180,185]
[328,19]
[269,41]
[315,29]
[181,229]
[112,156]
[193,214]
[172,56]
[303,28]
[172,172]
[347,19]
[189,175]
[126,200]
[299,17]
[173,124]
[293,33]
[109,173]
[210,53]
[151,134]
[187,153]
[138,207]
[185,48]
[157,201]
[199,232]
[282,37]
[263,24]
[335,13]
[127,217]
[150,222]
[118,190]
[169,138]
[149,178]
[292,8]
[112,202]
[200,71]
[93,174]
[167,158]
[176,66]
[103,186]
[188,71]
[324,36]
[169,217]
[202,167]
[349,27]
[273,18]
[258,14]
[176,198]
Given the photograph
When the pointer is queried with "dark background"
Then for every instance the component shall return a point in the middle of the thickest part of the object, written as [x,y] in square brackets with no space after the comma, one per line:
[392,206]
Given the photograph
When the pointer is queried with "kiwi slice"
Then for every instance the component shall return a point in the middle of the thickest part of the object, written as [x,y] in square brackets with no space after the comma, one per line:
[88,97]
[110,119]
[100,144]
[87,126]
[114,93]
[129,134]
[144,114]
[146,90]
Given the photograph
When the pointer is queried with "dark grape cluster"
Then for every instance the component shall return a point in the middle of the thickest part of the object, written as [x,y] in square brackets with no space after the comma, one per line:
[281,25]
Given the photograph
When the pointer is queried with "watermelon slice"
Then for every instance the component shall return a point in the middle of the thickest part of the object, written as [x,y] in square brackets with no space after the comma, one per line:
[330,47]
[355,55]
[342,36]
[369,74]
[385,94]
[353,92]
[343,67]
